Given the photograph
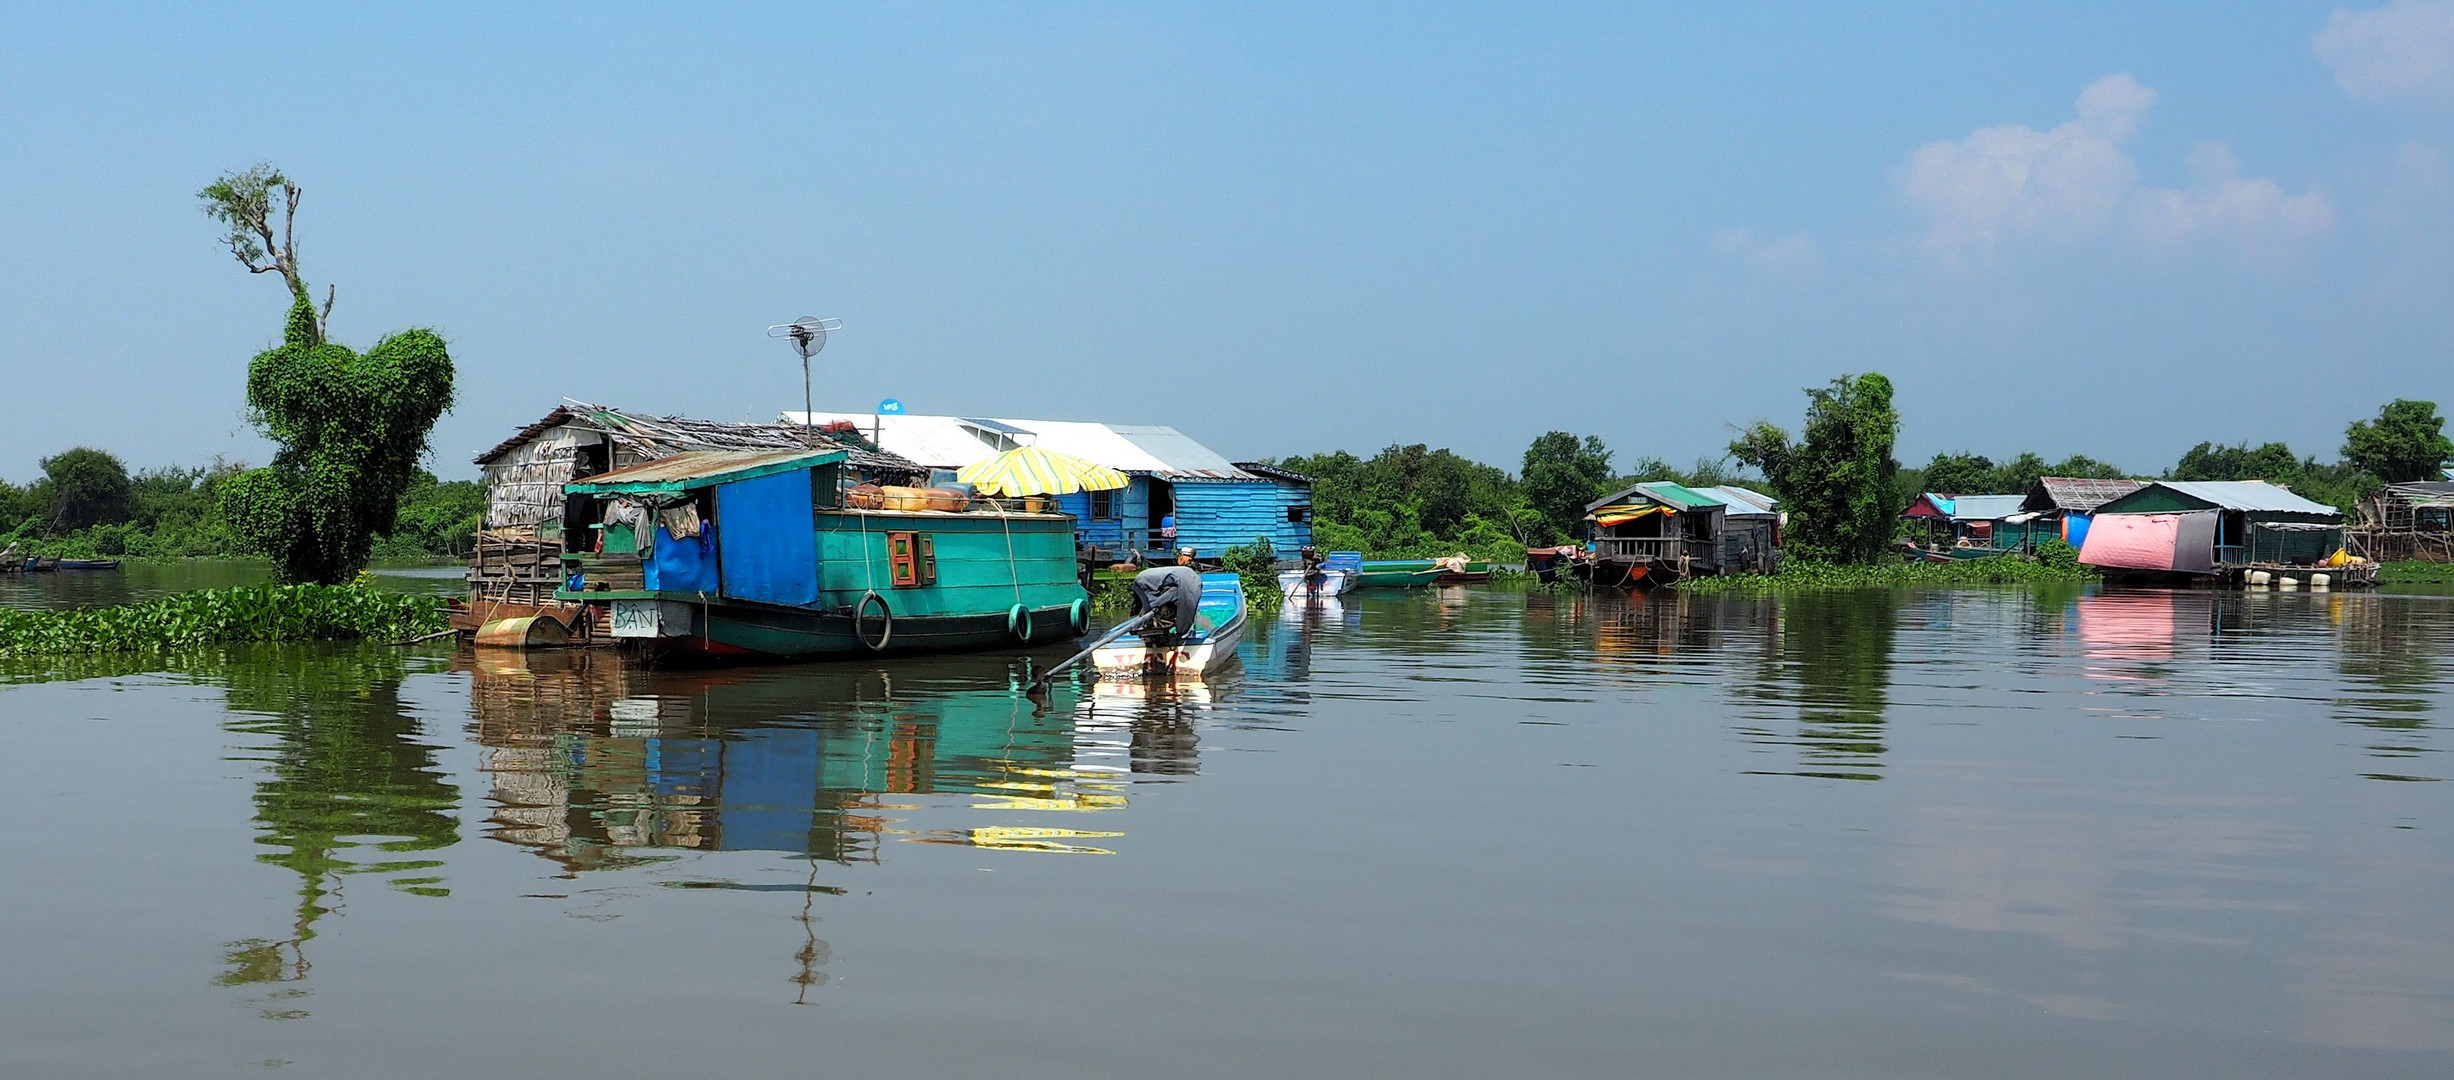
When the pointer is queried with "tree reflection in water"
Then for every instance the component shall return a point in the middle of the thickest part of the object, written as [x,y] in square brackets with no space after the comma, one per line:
[349,788]
[2388,657]
[1834,664]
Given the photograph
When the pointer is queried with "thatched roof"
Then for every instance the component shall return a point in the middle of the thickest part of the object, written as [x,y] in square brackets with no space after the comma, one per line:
[653,437]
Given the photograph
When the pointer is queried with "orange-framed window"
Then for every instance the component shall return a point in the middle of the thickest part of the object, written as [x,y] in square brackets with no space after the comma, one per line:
[911,559]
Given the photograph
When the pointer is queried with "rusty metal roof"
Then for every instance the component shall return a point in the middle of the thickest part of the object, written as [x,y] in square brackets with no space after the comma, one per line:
[663,436]
[2081,494]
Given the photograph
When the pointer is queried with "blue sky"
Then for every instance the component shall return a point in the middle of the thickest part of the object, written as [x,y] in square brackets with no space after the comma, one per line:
[2115,229]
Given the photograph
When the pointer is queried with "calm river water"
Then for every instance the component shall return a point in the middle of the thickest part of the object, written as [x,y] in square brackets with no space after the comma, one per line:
[1465,833]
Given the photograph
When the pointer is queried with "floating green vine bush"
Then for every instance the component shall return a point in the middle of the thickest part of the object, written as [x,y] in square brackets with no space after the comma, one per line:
[351,428]
[218,616]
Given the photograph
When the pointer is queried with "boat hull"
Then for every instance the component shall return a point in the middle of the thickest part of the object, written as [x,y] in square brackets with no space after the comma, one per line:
[740,632]
[1182,661]
[1296,583]
[1407,573]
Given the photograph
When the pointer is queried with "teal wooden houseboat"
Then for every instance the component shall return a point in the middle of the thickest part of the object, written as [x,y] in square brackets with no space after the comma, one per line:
[757,554]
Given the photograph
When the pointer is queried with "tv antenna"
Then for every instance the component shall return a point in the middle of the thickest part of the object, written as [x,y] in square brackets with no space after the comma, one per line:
[809,338]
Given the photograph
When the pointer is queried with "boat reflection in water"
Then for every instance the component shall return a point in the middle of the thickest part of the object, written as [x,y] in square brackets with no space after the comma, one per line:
[593,761]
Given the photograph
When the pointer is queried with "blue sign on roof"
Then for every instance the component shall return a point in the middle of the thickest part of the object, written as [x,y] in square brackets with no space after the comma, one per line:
[890,407]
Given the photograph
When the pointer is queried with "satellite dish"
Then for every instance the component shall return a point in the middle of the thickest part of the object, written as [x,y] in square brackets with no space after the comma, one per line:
[808,333]
[809,338]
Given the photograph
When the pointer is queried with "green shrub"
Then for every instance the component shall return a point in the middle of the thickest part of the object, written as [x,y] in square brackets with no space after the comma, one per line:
[217,616]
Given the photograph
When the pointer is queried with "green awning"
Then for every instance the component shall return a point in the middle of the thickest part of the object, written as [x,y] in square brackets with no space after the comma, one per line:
[699,469]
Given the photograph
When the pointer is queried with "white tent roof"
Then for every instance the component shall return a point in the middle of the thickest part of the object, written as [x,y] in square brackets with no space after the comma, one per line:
[951,442]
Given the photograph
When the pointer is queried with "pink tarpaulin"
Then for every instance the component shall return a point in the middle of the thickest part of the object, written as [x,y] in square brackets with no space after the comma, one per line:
[2132,541]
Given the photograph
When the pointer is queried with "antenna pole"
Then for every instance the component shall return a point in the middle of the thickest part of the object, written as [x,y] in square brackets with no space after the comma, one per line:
[807,420]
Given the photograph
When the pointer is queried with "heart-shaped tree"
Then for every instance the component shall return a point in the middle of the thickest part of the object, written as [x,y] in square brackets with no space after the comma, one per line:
[351,428]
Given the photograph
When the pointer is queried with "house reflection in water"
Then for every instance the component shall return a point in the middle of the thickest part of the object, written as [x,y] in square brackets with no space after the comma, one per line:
[592,760]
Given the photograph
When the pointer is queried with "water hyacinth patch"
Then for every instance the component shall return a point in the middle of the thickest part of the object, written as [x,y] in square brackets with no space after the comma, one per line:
[267,613]
[1805,575]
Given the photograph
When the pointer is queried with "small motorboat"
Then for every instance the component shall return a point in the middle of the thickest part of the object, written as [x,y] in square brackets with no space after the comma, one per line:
[1319,581]
[1217,627]
[89,564]
[1407,573]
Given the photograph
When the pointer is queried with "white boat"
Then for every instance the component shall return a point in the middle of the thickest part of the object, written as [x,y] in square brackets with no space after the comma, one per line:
[1216,632]
[1326,581]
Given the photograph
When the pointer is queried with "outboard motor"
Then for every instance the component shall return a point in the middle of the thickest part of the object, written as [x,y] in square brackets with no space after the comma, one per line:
[1174,592]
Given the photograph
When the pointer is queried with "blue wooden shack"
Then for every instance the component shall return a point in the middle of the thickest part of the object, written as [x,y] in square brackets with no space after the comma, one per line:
[1216,504]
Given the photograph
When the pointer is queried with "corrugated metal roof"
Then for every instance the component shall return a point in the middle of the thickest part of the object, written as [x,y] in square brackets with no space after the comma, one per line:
[946,442]
[2080,494]
[701,468]
[1665,492]
[1980,507]
[1680,494]
[2247,495]
[1743,500]
[1179,453]
[1262,468]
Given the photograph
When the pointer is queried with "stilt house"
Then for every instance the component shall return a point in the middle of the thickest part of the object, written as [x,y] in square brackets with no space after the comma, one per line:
[1659,530]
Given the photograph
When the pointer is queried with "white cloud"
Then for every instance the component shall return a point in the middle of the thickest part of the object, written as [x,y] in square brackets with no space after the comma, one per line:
[2401,52]
[1792,256]
[2252,214]
[2075,181]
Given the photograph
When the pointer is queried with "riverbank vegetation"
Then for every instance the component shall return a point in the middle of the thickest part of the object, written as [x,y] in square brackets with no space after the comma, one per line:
[1838,480]
[265,613]
[97,508]
[344,484]
[2416,573]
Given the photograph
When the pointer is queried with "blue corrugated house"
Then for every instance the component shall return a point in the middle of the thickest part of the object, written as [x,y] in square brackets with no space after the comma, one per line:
[1216,504]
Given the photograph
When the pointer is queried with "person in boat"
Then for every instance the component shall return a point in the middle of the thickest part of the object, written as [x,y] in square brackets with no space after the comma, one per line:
[1314,567]
[1174,594]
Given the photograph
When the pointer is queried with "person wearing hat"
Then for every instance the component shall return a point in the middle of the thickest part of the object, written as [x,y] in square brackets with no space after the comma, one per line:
[1184,556]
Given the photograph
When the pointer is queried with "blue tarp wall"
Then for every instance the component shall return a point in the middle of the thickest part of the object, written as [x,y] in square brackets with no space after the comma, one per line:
[684,565]
[769,546]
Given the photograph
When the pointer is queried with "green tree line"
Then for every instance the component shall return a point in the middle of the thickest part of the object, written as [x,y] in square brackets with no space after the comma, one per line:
[1837,479]
[87,503]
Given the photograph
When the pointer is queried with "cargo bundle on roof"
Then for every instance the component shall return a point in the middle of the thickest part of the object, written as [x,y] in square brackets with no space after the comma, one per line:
[1183,494]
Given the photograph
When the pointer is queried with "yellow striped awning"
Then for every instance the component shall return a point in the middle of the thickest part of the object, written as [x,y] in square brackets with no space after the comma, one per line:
[1622,513]
[1029,470]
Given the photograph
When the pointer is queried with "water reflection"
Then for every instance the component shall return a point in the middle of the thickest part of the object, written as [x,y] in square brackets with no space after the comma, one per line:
[595,764]
[349,787]
[2389,661]
[1833,666]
